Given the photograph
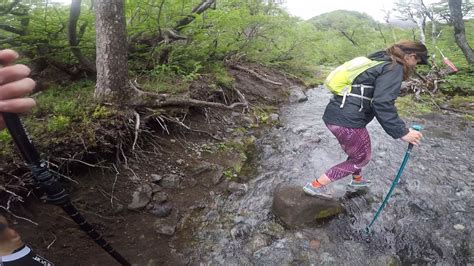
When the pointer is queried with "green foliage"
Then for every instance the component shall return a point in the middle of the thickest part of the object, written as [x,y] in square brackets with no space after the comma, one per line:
[221,75]
[5,137]
[64,107]
[58,123]
[101,112]
[460,102]
[408,107]
[461,82]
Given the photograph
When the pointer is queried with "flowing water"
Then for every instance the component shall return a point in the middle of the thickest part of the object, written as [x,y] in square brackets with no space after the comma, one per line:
[428,219]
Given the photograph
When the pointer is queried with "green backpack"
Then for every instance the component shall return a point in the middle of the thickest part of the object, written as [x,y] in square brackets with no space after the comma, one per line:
[340,79]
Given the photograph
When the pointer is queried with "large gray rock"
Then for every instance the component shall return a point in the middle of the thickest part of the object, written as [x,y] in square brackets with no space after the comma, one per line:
[297,95]
[208,174]
[141,197]
[297,209]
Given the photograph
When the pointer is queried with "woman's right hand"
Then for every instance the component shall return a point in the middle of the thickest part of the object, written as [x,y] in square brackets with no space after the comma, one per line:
[413,137]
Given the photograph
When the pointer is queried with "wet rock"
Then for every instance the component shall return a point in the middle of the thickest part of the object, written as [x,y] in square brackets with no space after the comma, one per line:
[299,129]
[314,244]
[297,95]
[296,209]
[273,229]
[248,121]
[387,260]
[167,226]
[235,187]
[277,254]
[257,242]
[160,197]
[170,181]
[327,258]
[274,117]
[211,216]
[162,210]
[156,178]
[165,229]
[208,174]
[141,197]
[240,230]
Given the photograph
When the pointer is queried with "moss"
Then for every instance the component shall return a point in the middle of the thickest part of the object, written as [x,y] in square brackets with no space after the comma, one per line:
[58,123]
[327,213]
[102,112]
[262,115]
[408,107]
[461,102]
[468,117]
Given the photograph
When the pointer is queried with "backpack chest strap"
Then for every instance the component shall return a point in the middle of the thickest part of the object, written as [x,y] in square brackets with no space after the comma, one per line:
[346,92]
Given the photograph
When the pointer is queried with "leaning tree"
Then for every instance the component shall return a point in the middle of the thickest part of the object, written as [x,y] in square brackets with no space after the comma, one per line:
[455,7]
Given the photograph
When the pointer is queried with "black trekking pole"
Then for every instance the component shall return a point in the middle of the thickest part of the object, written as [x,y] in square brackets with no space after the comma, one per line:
[50,185]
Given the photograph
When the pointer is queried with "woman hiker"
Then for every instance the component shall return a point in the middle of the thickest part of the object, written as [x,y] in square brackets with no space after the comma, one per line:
[347,117]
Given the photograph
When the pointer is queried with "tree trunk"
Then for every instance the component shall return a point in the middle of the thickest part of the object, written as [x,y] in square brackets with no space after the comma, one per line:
[72,36]
[459,30]
[421,19]
[111,59]
[421,22]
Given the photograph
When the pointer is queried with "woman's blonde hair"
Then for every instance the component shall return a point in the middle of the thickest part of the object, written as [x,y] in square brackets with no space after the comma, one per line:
[398,51]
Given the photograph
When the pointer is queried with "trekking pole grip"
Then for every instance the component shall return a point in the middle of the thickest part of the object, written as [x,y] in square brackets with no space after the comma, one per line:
[417,128]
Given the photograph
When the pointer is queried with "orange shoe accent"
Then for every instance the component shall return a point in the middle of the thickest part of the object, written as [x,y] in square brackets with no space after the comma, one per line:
[315,183]
[357,177]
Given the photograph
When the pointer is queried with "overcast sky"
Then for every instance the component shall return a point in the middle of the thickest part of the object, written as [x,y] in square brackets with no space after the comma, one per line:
[306,9]
[309,8]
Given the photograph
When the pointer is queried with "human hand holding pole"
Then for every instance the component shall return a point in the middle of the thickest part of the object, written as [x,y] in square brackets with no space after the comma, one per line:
[413,136]
[14,85]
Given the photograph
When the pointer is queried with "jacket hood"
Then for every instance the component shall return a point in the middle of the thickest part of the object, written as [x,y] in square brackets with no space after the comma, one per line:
[380,56]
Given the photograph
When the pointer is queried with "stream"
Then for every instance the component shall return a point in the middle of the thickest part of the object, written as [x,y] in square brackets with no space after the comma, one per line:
[428,220]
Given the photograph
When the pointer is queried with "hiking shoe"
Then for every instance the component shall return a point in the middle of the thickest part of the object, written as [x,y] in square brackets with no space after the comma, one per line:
[320,192]
[359,183]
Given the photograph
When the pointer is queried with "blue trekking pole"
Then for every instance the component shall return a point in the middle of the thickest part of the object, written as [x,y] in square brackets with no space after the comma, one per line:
[395,181]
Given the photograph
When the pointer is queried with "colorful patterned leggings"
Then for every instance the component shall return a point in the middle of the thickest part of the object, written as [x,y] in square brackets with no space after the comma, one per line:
[356,143]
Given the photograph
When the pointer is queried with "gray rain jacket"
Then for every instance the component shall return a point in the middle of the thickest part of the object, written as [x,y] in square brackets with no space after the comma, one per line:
[386,78]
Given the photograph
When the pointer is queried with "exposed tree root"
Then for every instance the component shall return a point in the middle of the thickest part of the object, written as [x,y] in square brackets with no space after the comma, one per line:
[257,75]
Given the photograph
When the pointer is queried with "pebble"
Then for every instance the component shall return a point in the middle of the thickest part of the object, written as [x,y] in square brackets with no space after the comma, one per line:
[156,177]
[459,227]
[314,244]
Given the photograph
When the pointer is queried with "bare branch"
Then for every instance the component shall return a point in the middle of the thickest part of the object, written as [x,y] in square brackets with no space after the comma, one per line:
[256,74]
[12,29]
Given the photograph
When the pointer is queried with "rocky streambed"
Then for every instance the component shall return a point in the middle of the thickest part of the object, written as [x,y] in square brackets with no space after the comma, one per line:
[428,220]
